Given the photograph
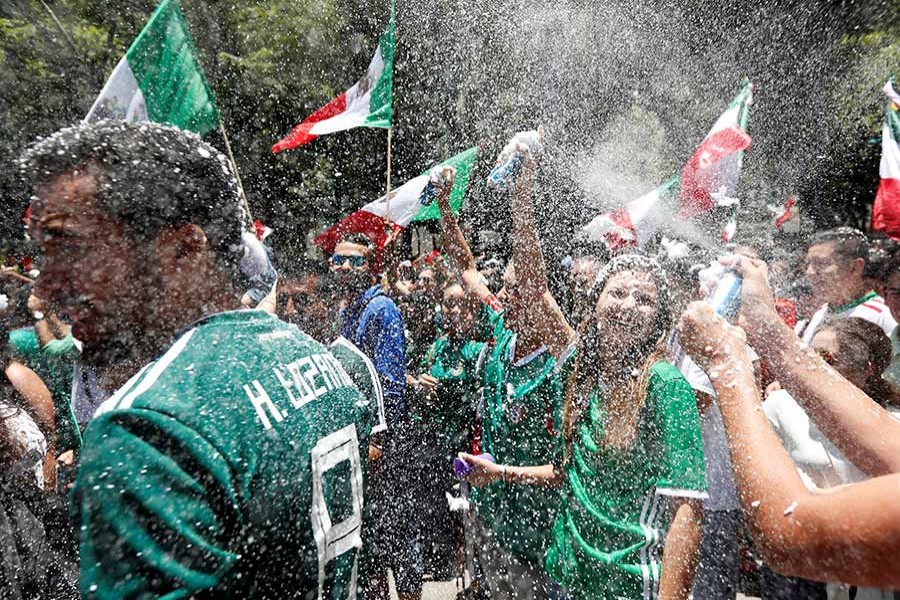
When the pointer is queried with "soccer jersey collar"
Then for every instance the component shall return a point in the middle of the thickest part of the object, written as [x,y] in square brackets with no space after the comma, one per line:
[525,359]
[852,304]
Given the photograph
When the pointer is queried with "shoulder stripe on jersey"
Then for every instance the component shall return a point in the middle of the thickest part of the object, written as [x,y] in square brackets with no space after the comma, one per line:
[373,375]
[110,403]
[157,369]
[872,307]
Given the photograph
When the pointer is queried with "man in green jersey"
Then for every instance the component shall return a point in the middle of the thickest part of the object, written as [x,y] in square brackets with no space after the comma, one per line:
[444,411]
[229,464]
[522,395]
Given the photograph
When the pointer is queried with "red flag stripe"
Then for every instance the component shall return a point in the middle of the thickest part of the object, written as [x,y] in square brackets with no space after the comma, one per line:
[786,215]
[300,134]
[362,221]
[886,209]
[693,195]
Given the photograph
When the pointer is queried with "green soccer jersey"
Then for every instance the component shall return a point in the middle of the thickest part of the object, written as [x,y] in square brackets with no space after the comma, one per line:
[451,409]
[616,506]
[521,409]
[231,465]
[363,373]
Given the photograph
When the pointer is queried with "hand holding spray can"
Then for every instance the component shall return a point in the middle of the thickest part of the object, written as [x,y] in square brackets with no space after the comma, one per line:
[725,297]
[510,161]
[440,177]
[463,468]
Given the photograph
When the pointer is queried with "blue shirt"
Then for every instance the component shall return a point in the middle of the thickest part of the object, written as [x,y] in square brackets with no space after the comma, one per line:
[374,323]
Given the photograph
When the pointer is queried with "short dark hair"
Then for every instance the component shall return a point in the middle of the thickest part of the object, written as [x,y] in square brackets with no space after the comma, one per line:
[303,267]
[360,239]
[849,243]
[152,176]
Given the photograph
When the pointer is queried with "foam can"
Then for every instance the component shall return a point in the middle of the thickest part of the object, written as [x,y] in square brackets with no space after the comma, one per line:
[511,160]
[438,179]
[462,468]
[725,298]
[504,174]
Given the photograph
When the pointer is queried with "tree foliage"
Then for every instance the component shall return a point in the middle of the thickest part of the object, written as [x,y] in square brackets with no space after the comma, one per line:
[626,91]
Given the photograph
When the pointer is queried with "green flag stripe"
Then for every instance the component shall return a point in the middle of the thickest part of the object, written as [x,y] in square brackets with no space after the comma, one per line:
[463,163]
[166,66]
[382,99]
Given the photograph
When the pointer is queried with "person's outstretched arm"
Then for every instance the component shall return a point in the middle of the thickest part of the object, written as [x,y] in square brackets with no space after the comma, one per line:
[549,324]
[850,535]
[457,248]
[682,551]
[485,472]
[855,423]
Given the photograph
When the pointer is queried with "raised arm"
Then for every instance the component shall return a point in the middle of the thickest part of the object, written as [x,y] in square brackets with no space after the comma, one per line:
[527,257]
[549,324]
[855,423]
[850,535]
[457,248]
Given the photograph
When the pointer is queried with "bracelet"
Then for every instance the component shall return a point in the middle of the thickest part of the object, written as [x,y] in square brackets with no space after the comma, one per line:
[503,474]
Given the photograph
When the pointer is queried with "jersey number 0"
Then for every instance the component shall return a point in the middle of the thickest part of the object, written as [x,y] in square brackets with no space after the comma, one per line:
[334,539]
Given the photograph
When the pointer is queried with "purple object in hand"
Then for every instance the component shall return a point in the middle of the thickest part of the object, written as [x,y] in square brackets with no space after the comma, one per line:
[462,468]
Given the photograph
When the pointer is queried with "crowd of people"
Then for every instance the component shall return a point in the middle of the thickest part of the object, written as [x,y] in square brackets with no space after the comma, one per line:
[186,415]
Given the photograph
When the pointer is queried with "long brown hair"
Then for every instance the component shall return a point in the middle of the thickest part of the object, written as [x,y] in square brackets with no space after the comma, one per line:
[626,397]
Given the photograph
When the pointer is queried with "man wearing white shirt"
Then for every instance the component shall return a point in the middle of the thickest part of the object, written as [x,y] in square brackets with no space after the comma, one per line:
[835,262]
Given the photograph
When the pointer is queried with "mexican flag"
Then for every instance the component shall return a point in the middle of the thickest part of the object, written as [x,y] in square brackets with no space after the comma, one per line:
[160,78]
[708,180]
[712,173]
[369,103]
[637,221]
[886,209]
[371,219]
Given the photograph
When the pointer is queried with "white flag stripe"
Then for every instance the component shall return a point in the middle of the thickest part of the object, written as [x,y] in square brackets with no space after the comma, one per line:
[404,201]
[120,98]
[890,155]
[357,106]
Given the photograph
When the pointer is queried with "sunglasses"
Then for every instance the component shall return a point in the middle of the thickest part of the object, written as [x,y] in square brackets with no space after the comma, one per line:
[355,260]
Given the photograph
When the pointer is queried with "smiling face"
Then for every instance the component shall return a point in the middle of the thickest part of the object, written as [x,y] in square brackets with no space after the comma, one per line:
[460,312]
[93,271]
[830,276]
[626,312]
[350,269]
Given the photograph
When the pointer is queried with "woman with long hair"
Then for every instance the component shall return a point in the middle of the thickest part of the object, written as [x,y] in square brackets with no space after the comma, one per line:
[631,461]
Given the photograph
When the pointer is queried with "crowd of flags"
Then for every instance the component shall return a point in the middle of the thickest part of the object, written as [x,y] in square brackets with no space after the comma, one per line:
[161,79]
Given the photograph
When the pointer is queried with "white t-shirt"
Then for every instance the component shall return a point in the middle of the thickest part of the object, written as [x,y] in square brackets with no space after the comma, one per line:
[820,463]
[719,479]
[870,307]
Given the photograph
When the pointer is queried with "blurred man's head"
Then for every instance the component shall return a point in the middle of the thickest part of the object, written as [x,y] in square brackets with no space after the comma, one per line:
[350,265]
[427,282]
[891,284]
[460,312]
[835,263]
[304,300]
[140,228]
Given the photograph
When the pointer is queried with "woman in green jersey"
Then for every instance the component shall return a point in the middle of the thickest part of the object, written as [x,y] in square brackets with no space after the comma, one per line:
[631,462]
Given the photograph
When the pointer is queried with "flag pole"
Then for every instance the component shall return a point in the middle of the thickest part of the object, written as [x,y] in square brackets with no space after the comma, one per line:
[237,174]
[389,143]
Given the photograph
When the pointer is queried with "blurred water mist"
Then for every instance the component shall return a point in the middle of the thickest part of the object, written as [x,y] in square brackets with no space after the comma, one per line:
[627,90]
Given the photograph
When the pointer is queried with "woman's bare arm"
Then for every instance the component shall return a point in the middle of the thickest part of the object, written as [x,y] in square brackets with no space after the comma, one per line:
[682,551]
[485,472]
[851,535]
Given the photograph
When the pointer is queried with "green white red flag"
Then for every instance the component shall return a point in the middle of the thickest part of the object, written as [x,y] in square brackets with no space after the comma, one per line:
[160,78]
[708,180]
[369,103]
[405,208]
[886,209]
